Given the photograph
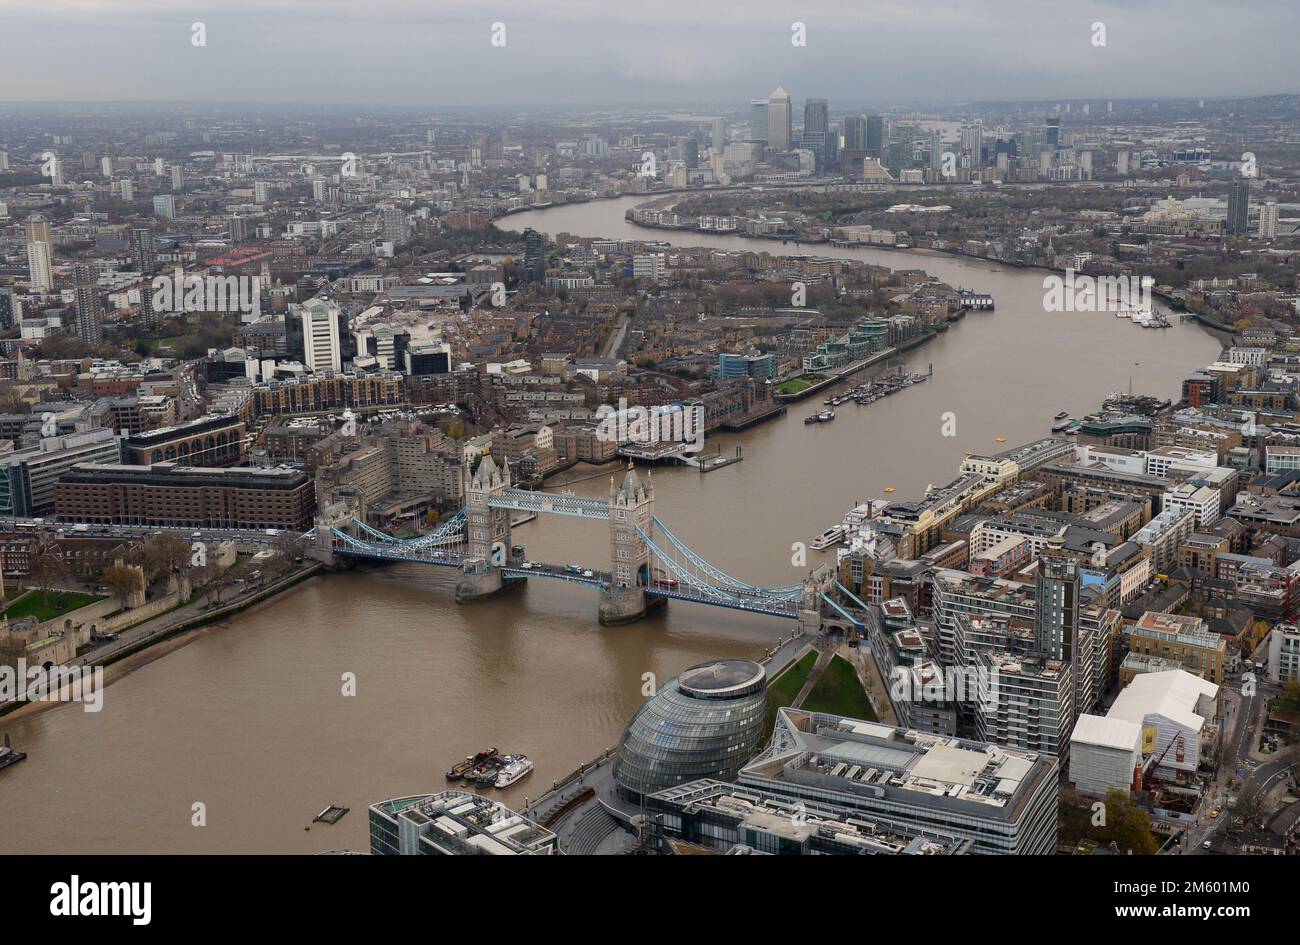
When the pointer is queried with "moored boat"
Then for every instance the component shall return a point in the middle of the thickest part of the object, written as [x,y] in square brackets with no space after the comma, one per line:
[519,766]
[10,755]
[463,768]
[831,536]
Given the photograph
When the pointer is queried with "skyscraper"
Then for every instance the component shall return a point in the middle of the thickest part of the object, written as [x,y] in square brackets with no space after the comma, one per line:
[816,115]
[855,133]
[39,254]
[320,335]
[38,267]
[534,256]
[1238,206]
[758,120]
[972,140]
[395,228]
[10,308]
[1053,132]
[1268,220]
[778,120]
[718,135]
[89,325]
[1056,624]
[142,251]
[875,143]
[38,229]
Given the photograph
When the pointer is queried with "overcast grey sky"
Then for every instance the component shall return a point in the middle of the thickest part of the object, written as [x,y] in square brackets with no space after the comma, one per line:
[429,52]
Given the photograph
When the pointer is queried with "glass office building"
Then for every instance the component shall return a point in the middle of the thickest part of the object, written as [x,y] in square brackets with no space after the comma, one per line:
[705,723]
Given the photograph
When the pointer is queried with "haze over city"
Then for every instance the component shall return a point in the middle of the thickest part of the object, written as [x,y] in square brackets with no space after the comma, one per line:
[566,52]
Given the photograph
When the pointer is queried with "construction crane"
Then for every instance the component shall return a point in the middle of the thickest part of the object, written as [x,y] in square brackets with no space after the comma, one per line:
[1146,775]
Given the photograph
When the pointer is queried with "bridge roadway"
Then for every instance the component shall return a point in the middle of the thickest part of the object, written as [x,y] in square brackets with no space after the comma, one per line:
[437,555]
[441,556]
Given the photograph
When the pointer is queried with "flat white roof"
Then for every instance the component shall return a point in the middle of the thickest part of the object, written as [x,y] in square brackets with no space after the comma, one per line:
[950,764]
[1172,694]
[1107,732]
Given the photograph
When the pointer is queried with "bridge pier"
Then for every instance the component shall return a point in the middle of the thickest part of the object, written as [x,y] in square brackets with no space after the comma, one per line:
[622,605]
[479,581]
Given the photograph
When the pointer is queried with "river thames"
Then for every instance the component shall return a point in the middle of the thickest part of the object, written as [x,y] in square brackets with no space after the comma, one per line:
[249,719]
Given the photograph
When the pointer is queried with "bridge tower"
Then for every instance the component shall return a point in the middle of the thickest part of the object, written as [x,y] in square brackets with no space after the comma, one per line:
[329,516]
[631,506]
[810,605]
[487,531]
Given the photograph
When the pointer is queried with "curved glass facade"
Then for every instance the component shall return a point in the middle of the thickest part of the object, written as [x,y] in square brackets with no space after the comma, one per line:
[705,723]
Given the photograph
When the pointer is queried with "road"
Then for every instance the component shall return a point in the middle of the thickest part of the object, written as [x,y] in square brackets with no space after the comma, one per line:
[1243,721]
[165,623]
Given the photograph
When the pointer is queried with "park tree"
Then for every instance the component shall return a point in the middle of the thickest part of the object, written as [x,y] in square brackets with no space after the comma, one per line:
[123,580]
[164,554]
[48,570]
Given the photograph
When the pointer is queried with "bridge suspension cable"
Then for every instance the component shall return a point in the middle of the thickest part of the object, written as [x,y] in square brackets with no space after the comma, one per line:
[719,576]
[704,577]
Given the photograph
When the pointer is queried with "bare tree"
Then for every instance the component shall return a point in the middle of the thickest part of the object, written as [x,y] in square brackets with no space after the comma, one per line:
[1250,802]
[123,580]
[48,569]
[164,554]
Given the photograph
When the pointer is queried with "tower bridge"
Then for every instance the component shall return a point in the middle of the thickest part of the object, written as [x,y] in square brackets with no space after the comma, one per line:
[648,564]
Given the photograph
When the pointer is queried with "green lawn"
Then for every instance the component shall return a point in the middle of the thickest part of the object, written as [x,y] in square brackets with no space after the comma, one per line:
[793,386]
[61,602]
[782,690]
[170,342]
[839,692]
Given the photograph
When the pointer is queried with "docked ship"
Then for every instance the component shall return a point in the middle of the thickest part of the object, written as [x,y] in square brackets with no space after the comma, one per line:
[1062,415]
[471,762]
[831,536]
[515,768]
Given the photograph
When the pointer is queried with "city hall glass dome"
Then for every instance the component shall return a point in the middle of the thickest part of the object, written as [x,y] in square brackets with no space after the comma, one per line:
[705,723]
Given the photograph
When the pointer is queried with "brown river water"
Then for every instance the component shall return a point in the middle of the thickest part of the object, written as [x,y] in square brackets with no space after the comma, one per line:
[250,720]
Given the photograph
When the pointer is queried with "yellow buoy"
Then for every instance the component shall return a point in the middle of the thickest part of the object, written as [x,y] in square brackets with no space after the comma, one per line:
[1000,439]
[889,488]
